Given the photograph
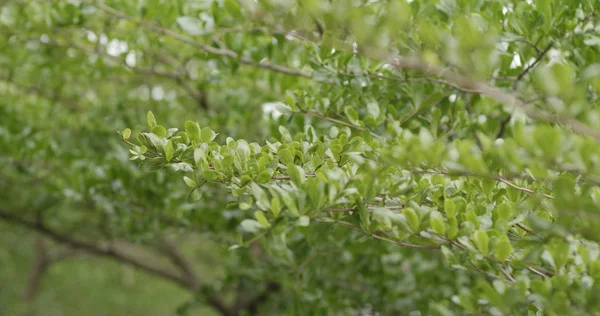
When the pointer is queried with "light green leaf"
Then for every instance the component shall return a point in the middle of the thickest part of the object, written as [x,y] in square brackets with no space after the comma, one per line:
[481,241]
[303,221]
[250,226]
[207,135]
[260,216]
[189,182]
[169,150]
[412,218]
[503,248]
[126,134]
[150,119]
[193,130]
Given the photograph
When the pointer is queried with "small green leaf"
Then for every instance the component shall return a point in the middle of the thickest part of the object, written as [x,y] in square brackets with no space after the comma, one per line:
[503,248]
[437,223]
[262,200]
[193,130]
[189,182]
[198,155]
[159,130]
[275,206]
[450,208]
[126,134]
[481,241]
[412,218]
[303,221]
[250,226]
[207,135]
[244,180]
[169,150]
[351,114]
[150,119]
[233,7]
[296,173]
[263,177]
[260,216]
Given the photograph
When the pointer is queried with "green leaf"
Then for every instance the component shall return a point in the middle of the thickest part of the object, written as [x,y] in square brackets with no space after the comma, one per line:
[250,226]
[303,221]
[150,119]
[296,174]
[449,208]
[503,248]
[481,241]
[351,114]
[437,223]
[159,130]
[193,130]
[262,200]
[126,134]
[189,182]
[207,135]
[190,25]
[263,177]
[169,150]
[275,206]
[233,7]
[260,216]
[412,218]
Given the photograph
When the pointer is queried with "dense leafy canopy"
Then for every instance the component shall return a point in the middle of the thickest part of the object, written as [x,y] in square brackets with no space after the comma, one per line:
[323,157]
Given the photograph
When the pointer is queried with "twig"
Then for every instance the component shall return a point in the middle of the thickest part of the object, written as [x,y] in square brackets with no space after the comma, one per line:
[530,66]
[512,185]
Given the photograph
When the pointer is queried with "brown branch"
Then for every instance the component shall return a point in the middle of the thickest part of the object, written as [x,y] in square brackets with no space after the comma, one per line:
[113,254]
[180,261]
[38,269]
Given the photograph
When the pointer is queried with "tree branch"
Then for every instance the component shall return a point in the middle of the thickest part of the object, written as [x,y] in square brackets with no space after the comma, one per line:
[38,269]
[530,66]
[508,100]
[113,254]
[177,258]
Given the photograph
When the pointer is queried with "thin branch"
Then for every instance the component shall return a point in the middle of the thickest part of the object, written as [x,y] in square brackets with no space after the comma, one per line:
[376,236]
[113,254]
[507,99]
[530,66]
[38,269]
[207,48]
[180,261]
[512,185]
[503,124]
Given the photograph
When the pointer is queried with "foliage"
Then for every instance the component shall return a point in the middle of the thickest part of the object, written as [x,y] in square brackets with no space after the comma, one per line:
[440,157]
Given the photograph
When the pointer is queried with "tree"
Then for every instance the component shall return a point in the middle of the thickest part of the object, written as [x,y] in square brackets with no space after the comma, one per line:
[311,157]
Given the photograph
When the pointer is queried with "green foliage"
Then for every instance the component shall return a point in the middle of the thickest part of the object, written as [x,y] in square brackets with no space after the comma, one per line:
[346,157]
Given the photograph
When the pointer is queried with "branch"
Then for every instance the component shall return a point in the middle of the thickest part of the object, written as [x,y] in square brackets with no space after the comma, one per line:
[508,100]
[113,254]
[512,185]
[177,258]
[207,48]
[251,305]
[38,269]
[529,67]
